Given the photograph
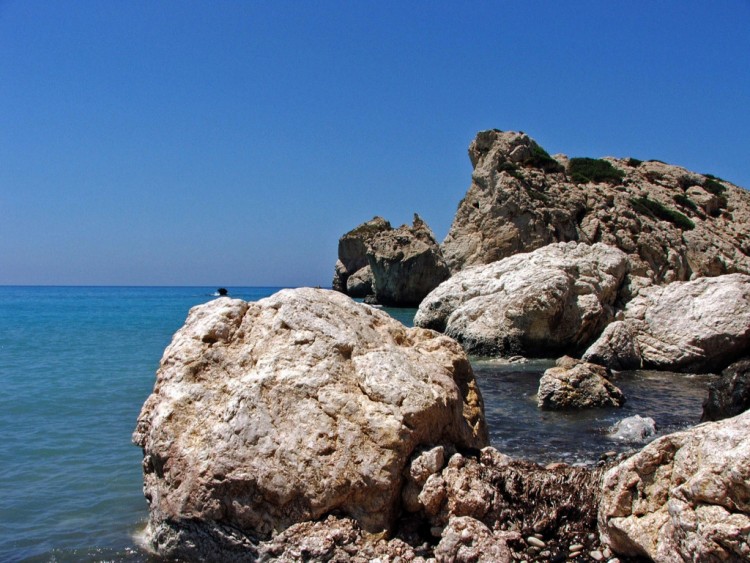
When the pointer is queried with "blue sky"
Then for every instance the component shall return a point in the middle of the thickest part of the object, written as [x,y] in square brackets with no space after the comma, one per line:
[232,143]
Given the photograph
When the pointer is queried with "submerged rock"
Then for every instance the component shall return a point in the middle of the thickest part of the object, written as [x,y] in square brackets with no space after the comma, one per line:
[730,395]
[633,429]
[672,223]
[555,299]
[573,384]
[684,497]
[283,411]
[696,326]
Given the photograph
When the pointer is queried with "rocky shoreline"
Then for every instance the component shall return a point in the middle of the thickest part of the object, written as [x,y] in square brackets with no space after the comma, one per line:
[308,427]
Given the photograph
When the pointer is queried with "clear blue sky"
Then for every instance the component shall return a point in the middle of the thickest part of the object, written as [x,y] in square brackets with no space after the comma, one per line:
[232,143]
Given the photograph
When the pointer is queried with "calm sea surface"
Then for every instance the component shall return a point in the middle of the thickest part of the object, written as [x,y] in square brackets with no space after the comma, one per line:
[77,363]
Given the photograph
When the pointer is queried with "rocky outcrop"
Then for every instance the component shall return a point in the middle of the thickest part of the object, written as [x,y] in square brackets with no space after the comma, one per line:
[283,411]
[730,395]
[672,223]
[406,264]
[353,250]
[398,267]
[573,384]
[684,497]
[555,299]
[697,326]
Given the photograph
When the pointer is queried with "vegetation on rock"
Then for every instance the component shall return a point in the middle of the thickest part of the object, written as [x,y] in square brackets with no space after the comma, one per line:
[583,170]
[540,158]
[651,207]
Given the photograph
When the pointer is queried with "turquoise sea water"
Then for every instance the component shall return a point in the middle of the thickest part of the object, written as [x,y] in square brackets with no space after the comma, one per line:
[77,363]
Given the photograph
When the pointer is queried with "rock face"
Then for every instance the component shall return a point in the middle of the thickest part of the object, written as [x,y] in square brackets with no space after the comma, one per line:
[353,250]
[696,326]
[730,395]
[282,411]
[406,264]
[555,299]
[684,497]
[672,223]
[398,266]
[573,384]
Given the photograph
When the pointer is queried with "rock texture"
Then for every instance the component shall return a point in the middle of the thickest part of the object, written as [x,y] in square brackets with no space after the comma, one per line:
[730,395]
[573,384]
[303,404]
[353,250]
[696,326]
[672,223]
[397,267]
[555,299]
[684,497]
[406,264]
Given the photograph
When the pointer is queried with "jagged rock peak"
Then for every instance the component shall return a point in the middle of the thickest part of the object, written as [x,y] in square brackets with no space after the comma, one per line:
[674,224]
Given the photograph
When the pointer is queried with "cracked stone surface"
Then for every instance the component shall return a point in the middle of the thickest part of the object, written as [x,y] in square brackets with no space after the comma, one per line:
[282,411]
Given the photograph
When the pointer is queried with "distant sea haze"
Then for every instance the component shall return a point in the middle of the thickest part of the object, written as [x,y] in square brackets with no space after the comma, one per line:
[77,363]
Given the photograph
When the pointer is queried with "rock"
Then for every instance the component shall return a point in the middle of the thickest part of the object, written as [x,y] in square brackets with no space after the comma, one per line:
[696,326]
[633,429]
[353,250]
[684,497]
[555,299]
[466,540]
[406,264]
[303,404]
[730,395]
[672,223]
[574,384]
[513,495]
[359,284]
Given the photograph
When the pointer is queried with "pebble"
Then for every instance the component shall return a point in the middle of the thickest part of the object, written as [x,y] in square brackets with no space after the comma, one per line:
[607,553]
[536,542]
[576,547]
[596,555]
[465,535]
[574,554]
[546,553]
[614,560]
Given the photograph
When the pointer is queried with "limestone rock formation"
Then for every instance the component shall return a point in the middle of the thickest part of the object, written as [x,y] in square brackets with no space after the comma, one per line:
[553,300]
[359,284]
[730,395]
[696,326]
[673,224]
[684,497]
[397,267]
[406,264]
[282,411]
[573,384]
[353,250]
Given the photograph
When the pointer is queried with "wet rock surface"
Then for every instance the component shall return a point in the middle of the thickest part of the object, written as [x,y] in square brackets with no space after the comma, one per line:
[730,395]
[573,384]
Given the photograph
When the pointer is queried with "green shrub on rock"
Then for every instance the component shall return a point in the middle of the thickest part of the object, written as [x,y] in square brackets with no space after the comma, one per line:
[540,158]
[646,206]
[583,170]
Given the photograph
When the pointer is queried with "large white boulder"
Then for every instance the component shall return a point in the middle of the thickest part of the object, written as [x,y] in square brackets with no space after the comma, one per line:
[684,497]
[283,411]
[696,326]
[555,299]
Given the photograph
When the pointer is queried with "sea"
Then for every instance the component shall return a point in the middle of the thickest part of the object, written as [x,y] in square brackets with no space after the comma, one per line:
[77,363]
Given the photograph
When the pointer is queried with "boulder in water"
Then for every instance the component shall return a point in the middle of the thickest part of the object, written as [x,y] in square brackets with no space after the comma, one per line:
[697,326]
[286,410]
[573,384]
[555,299]
[730,395]
[633,429]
